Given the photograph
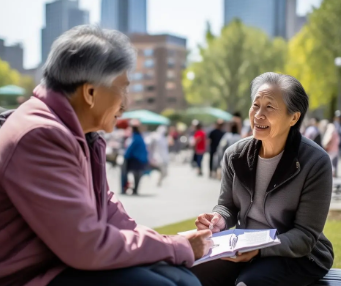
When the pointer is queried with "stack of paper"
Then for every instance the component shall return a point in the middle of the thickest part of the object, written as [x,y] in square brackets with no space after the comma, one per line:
[227,243]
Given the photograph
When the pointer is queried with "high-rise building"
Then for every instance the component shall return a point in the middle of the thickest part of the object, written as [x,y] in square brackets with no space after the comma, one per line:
[60,15]
[14,55]
[275,17]
[127,16]
[156,83]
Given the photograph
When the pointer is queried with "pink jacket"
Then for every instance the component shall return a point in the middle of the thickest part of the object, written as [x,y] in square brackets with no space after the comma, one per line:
[55,211]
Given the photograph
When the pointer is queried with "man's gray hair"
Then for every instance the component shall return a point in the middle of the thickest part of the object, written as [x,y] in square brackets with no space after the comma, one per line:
[87,54]
[293,92]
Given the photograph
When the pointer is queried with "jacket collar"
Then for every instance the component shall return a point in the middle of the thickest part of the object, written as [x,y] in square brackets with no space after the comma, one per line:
[61,107]
[245,162]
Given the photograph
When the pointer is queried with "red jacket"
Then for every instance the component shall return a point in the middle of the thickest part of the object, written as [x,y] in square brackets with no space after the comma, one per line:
[54,211]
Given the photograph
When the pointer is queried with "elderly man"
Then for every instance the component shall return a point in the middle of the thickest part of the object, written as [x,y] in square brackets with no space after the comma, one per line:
[59,223]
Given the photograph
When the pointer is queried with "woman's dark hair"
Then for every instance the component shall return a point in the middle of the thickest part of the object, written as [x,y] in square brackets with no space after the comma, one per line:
[293,92]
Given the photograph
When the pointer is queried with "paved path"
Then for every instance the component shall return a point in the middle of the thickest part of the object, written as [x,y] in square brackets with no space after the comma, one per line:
[183,195]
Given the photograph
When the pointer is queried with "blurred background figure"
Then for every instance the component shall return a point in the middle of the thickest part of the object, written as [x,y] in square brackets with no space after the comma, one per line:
[214,138]
[237,118]
[135,159]
[159,152]
[199,146]
[174,139]
[330,143]
[226,141]
[313,132]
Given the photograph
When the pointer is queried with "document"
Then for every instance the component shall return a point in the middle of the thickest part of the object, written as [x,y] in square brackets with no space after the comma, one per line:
[227,243]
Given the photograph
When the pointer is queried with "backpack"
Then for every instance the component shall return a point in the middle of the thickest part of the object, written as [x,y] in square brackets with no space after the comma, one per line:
[4,114]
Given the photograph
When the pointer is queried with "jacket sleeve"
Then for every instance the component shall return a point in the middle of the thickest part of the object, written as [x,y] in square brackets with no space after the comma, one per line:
[117,215]
[310,216]
[226,207]
[46,183]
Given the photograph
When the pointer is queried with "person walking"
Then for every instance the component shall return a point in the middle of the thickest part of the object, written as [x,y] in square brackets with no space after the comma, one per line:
[214,138]
[199,146]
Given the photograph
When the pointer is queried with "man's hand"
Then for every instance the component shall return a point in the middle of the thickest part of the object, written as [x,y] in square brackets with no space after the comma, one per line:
[243,257]
[200,242]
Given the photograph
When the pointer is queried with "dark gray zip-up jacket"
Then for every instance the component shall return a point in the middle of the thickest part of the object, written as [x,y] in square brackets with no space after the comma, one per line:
[297,199]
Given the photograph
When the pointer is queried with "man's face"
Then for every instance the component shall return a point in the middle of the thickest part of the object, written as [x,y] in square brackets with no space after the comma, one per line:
[110,103]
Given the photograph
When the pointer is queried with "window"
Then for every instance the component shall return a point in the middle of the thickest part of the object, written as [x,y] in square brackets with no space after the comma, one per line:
[149,63]
[171,63]
[171,53]
[150,88]
[149,75]
[171,100]
[170,75]
[170,85]
[137,87]
[148,52]
[137,76]
[151,100]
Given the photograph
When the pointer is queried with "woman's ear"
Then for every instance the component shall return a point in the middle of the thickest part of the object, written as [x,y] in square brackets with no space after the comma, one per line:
[294,118]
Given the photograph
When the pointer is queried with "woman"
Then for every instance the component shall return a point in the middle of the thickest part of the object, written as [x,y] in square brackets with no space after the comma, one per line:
[59,223]
[275,179]
[330,143]
[135,160]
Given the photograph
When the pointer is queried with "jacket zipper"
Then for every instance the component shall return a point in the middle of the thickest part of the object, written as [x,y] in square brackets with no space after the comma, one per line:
[248,210]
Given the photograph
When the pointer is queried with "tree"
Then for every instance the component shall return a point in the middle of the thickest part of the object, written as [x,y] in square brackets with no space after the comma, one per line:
[312,53]
[228,64]
[8,75]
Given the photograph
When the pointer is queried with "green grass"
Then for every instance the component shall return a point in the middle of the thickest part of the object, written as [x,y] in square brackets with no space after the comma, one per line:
[332,231]
[177,227]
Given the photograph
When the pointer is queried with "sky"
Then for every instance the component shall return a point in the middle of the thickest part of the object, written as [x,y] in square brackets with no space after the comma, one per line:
[21,20]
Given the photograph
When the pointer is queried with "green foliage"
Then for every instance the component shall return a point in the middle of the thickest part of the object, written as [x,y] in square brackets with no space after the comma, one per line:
[312,53]
[229,63]
[10,76]
[7,75]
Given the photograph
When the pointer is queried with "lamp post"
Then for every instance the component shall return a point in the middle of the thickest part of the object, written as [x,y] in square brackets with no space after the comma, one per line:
[338,66]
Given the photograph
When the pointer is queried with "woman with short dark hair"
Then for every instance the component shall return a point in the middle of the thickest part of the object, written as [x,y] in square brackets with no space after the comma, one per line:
[275,179]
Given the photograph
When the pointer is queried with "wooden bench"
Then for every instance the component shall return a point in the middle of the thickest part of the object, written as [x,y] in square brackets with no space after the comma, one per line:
[333,278]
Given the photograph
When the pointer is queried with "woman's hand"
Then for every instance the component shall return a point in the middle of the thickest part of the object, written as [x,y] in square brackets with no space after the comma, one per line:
[200,242]
[243,257]
[212,221]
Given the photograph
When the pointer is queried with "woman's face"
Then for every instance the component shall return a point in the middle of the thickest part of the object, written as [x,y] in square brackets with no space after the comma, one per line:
[269,117]
[110,103]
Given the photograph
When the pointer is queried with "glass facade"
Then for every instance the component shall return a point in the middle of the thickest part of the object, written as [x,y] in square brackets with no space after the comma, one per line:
[127,16]
[268,15]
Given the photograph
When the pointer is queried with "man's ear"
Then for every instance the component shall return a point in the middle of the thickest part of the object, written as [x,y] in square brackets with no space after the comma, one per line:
[89,94]
[295,117]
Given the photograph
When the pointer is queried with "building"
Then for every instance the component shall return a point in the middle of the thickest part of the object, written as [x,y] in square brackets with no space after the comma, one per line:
[276,17]
[156,83]
[60,15]
[14,55]
[127,16]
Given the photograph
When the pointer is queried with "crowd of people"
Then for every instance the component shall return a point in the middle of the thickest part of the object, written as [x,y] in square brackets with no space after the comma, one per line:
[146,151]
